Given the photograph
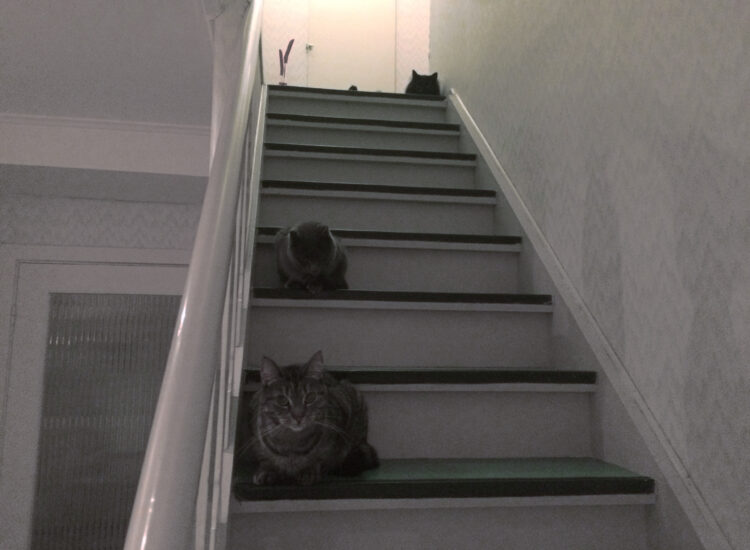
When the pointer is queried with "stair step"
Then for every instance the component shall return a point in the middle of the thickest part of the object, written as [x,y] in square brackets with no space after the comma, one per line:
[376,207]
[292,162]
[369,151]
[343,103]
[412,266]
[474,301]
[497,243]
[339,94]
[451,129]
[363,132]
[485,379]
[459,479]
[425,412]
[391,328]
[388,260]
[452,195]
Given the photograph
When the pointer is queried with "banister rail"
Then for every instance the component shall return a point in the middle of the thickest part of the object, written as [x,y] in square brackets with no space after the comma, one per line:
[164,510]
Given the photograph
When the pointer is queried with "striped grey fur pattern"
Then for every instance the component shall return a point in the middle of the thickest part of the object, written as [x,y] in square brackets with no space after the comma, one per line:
[303,424]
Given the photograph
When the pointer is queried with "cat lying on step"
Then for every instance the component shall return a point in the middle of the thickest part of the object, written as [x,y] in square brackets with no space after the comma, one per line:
[303,424]
[308,256]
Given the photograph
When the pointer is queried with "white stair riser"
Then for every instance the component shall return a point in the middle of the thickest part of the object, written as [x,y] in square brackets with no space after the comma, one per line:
[372,268]
[506,528]
[377,215]
[388,337]
[479,424]
[381,109]
[349,170]
[378,139]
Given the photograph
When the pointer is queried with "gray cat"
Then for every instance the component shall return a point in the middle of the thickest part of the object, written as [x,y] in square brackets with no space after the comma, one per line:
[302,424]
[308,256]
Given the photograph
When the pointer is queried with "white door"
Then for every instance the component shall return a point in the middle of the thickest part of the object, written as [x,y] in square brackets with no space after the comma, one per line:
[352,42]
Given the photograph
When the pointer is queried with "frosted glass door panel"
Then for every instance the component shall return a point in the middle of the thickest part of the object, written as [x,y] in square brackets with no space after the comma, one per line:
[104,363]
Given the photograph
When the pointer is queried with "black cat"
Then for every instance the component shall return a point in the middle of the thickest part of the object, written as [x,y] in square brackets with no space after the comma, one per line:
[423,84]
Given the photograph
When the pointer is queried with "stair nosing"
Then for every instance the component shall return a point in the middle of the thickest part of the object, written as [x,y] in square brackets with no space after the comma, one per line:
[469,376]
[492,298]
[450,481]
[441,128]
[369,152]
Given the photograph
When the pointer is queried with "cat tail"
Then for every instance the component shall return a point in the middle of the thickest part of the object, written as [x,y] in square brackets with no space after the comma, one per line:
[361,458]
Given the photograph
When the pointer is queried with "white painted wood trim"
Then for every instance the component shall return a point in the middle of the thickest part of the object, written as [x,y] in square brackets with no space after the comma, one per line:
[667,458]
[347,505]
[403,306]
[374,195]
[309,155]
[104,144]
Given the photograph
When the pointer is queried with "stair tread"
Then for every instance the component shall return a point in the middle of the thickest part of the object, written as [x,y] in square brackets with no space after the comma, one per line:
[398,124]
[461,478]
[378,188]
[409,236]
[355,93]
[405,296]
[341,150]
[451,375]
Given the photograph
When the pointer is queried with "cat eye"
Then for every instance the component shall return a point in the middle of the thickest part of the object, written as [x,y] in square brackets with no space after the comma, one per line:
[311,398]
[282,401]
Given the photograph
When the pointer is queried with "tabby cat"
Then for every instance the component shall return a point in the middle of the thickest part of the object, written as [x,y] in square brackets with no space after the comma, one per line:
[303,424]
[423,84]
[308,256]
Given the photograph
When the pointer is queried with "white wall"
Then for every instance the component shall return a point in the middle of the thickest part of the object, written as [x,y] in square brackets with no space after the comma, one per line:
[286,19]
[626,128]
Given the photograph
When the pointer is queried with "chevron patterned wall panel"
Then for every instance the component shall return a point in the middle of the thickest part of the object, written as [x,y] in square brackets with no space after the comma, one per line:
[626,128]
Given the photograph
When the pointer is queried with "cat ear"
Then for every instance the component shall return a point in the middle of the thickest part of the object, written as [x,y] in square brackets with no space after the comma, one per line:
[269,371]
[433,76]
[315,365]
[414,74]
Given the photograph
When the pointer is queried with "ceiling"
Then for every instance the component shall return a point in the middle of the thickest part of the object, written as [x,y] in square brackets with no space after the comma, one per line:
[124,60]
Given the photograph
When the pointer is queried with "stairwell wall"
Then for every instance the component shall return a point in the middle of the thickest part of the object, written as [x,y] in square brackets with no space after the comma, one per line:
[626,129]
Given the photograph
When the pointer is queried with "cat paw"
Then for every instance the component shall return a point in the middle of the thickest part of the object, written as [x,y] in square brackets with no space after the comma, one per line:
[308,477]
[264,476]
[314,288]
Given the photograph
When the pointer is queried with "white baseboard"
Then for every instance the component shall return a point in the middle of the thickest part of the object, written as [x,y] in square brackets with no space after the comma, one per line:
[667,459]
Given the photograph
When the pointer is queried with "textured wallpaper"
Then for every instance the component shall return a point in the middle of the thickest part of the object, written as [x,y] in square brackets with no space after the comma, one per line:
[26,219]
[626,128]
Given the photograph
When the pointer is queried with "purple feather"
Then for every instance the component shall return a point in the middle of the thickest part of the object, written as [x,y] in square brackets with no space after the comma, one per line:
[288,49]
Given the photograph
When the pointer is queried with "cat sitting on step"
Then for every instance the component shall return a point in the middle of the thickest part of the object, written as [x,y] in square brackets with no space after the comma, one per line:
[308,256]
[303,424]
[423,84]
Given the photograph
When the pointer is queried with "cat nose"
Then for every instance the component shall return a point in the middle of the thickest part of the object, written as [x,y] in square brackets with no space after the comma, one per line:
[298,415]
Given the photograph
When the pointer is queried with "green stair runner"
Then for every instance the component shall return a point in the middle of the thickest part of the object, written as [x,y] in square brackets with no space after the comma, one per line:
[461,478]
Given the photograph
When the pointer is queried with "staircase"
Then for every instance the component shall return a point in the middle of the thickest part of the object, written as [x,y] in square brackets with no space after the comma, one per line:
[484,443]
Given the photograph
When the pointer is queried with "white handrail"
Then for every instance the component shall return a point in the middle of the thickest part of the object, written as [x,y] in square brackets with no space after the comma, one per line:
[163,516]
